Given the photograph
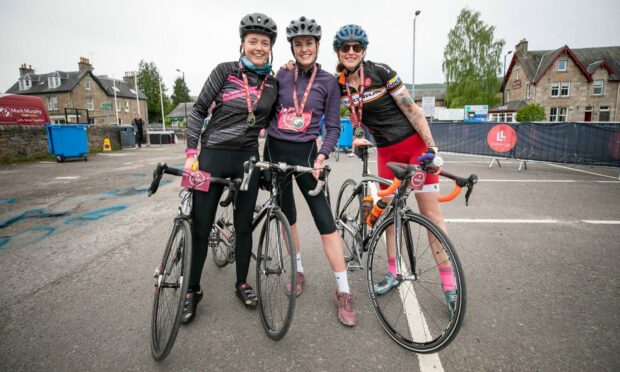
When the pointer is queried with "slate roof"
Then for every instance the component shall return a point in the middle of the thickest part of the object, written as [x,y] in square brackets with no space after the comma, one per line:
[536,63]
[68,81]
[179,111]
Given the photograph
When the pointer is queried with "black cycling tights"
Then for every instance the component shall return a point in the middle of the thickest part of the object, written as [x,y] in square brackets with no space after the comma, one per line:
[223,164]
[300,153]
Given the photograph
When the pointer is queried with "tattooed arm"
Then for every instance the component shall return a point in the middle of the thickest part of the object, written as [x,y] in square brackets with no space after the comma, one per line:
[415,116]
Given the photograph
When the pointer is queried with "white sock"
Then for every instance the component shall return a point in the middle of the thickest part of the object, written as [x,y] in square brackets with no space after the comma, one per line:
[343,281]
[300,269]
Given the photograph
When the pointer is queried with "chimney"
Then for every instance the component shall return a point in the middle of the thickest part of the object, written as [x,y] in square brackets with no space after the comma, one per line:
[23,70]
[130,77]
[521,47]
[84,64]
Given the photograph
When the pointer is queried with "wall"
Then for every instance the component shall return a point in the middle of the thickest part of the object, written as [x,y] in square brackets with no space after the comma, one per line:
[19,141]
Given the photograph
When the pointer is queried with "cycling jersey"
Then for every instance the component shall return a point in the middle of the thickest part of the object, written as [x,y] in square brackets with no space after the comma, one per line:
[381,114]
[228,128]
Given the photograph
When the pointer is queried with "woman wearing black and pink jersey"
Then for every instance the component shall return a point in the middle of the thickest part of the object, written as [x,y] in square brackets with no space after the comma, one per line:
[398,125]
[243,93]
[307,93]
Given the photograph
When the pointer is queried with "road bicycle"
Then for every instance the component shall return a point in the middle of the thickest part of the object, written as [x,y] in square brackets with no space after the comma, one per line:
[172,273]
[422,312]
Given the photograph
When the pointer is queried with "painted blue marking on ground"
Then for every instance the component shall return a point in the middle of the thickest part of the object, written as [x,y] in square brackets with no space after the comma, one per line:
[133,190]
[94,215]
[4,240]
[139,174]
[7,200]
[32,213]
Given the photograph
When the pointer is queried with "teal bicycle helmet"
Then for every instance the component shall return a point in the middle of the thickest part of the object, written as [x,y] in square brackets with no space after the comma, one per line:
[350,33]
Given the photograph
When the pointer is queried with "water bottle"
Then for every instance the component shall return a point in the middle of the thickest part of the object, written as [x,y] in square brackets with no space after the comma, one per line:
[367,204]
[376,212]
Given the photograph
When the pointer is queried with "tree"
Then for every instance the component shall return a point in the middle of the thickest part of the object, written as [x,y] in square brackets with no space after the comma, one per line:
[148,82]
[472,62]
[180,92]
[531,112]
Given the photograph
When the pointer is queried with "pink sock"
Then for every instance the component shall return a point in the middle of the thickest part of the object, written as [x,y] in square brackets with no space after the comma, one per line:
[392,265]
[447,278]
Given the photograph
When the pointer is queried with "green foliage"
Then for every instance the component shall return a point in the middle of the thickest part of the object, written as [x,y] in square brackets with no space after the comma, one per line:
[148,82]
[472,62]
[531,112]
[344,111]
[180,92]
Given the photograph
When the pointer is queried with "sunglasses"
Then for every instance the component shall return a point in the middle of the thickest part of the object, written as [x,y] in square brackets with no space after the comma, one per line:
[345,48]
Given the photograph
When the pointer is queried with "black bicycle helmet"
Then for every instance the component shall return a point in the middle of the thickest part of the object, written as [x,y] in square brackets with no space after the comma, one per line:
[350,33]
[303,27]
[258,22]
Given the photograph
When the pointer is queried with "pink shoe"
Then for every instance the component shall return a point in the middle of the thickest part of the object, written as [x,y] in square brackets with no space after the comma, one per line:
[346,313]
[300,279]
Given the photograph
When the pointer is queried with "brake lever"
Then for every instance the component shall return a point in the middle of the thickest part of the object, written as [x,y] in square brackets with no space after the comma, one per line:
[471,181]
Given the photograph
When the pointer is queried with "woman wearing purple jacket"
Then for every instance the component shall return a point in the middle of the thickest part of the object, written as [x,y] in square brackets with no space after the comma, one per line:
[306,94]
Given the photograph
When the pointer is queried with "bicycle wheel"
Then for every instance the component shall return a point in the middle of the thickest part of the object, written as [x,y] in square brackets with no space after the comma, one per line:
[172,279]
[416,312]
[275,267]
[348,217]
[336,153]
[222,238]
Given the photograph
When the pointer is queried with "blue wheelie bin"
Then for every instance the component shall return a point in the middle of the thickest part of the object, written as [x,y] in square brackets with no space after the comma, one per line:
[345,141]
[67,141]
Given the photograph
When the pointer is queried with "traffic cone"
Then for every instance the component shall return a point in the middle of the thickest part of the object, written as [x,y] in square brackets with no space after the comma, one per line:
[106,144]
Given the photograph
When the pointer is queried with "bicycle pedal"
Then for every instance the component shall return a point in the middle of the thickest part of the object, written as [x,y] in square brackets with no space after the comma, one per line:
[354,267]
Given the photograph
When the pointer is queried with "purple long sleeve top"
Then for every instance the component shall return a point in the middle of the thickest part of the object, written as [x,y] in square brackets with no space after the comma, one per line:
[323,100]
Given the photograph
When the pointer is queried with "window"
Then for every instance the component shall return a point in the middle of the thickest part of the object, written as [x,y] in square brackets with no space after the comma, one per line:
[604,113]
[116,89]
[528,93]
[52,103]
[555,89]
[126,106]
[598,87]
[87,84]
[90,105]
[517,74]
[133,91]
[562,64]
[565,89]
[118,105]
[25,84]
[53,81]
[562,114]
[509,117]
[553,114]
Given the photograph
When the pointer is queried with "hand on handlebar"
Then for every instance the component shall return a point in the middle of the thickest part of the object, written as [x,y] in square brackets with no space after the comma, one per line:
[191,164]
[431,160]
[361,142]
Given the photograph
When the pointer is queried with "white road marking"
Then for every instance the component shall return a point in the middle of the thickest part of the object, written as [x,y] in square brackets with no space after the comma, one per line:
[537,181]
[129,167]
[601,222]
[607,181]
[114,154]
[67,178]
[500,220]
[582,171]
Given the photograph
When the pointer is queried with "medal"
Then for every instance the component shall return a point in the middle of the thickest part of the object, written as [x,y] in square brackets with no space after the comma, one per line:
[298,121]
[251,119]
[359,132]
[248,100]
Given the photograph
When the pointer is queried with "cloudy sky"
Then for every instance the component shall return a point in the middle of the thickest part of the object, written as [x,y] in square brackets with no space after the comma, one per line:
[194,36]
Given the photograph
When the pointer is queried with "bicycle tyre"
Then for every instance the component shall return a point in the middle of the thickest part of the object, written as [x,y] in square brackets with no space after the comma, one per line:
[223,247]
[273,274]
[170,290]
[349,215]
[336,153]
[429,323]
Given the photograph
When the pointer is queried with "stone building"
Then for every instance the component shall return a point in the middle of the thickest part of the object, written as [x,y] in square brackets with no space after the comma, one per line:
[83,97]
[570,84]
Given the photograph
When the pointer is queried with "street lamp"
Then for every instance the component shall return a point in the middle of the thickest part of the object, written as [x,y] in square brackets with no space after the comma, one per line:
[417,13]
[504,90]
[184,103]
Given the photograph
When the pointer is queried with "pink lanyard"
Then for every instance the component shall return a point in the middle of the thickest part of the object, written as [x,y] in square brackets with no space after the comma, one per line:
[248,100]
[300,109]
[356,113]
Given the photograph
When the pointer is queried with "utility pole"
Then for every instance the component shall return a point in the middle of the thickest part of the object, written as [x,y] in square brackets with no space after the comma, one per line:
[185,100]
[417,12]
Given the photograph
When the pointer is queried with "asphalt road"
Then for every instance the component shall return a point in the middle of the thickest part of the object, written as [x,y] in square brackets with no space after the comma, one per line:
[79,242]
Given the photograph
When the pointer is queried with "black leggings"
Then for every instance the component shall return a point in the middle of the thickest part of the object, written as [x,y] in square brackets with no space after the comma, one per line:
[223,164]
[300,153]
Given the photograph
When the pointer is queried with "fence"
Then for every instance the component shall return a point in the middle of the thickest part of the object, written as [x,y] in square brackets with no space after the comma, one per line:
[575,143]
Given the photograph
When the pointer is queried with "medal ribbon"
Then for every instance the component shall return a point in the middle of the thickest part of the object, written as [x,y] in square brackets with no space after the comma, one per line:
[356,113]
[246,88]
[300,109]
